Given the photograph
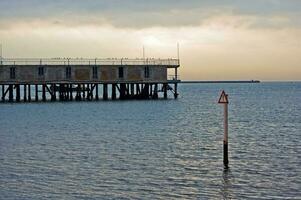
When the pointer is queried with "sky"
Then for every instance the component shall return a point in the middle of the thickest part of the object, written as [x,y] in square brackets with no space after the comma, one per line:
[219,39]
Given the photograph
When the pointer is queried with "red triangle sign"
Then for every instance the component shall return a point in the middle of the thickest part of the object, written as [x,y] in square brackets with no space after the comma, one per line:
[223,98]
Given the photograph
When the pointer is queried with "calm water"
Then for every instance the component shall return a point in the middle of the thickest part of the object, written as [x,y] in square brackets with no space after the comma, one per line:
[155,149]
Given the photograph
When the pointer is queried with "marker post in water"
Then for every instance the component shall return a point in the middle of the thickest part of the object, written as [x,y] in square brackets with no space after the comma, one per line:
[223,99]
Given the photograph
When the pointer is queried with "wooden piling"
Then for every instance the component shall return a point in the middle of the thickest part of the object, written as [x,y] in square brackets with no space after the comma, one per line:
[53,92]
[37,92]
[44,92]
[66,92]
[78,94]
[150,90]
[155,93]
[84,91]
[114,91]
[92,91]
[61,96]
[132,90]
[147,91]
[11,93]
[3,93]
[137,89]
[18,97]
[71,92]
[122,91]
[105,91]
[96,92]
[88,92]
[24,93]
[29,92]
[165,90]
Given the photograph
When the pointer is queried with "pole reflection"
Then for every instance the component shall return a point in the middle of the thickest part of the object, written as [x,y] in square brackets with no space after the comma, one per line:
[227,181]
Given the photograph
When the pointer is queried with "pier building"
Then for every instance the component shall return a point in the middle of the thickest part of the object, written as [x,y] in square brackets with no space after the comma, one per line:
[68,79]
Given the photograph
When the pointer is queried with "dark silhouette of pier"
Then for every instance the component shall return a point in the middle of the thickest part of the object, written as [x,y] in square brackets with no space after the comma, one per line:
[87,79]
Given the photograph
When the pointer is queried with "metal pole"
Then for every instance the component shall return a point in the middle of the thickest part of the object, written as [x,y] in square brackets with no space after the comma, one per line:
[224,100]
[226,160]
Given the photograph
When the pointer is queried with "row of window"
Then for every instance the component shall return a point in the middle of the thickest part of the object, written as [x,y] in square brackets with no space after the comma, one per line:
[121,72]
[12,72]
[68,72]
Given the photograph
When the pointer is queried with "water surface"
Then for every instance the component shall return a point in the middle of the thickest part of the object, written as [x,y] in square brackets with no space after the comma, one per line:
[164,149]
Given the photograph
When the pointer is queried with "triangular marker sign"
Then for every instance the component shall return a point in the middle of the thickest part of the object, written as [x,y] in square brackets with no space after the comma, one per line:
[223,98]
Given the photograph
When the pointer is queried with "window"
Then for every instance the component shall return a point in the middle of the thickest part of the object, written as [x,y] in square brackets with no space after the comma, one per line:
[95,73]
[120,72]
[68,72]
[12,72]
[41,71]
[146,72]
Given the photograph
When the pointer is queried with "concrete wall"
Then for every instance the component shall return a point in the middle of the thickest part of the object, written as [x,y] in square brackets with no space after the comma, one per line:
[29,73]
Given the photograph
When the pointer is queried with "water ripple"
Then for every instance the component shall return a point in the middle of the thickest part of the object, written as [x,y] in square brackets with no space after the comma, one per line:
[155,149]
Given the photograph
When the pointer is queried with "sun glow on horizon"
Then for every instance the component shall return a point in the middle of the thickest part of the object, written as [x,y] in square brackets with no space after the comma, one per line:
[215,50]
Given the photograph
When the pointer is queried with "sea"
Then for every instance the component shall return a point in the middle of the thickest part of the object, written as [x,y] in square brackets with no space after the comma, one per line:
[156,149]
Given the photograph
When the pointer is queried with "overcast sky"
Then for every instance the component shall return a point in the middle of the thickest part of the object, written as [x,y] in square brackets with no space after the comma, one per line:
[220,40]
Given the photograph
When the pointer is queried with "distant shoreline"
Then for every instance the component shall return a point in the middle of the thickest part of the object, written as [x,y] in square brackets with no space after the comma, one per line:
[251,81]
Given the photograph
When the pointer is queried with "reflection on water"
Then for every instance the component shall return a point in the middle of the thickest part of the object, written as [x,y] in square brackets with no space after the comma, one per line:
[155,149]
[226,190]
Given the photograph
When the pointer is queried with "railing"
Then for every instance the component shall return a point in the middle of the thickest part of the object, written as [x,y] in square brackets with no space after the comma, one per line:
[88,61]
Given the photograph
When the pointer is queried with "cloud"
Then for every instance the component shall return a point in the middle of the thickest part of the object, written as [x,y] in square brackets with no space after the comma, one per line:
[137,14]
[228,40]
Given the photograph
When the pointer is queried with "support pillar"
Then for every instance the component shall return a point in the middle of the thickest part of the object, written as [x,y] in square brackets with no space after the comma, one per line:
[18,93]
[132,90]
[71,92]
[105,91]
[66,92]
[88,92]
[37,92]
[53,92]
[92,91]
[137,89]
[44,92]
[122,91]
[113,91]
[146,91]
[96,92]
[29,93]
[84,91]
[11,93]
[155,93]
[165,90]
[151,90]
[25,91]
[80,88]
[78,93]
[61,92]
[3,93]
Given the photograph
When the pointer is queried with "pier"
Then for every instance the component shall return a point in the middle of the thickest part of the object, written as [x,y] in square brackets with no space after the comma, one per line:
[66,79]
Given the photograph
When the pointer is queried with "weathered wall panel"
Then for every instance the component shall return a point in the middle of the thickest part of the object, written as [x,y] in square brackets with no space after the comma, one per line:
[29,73]
[82,74]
